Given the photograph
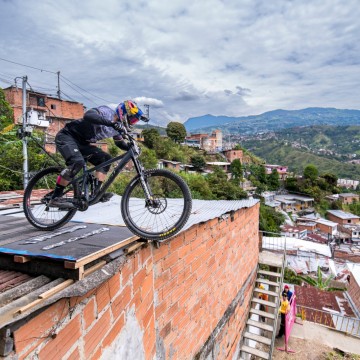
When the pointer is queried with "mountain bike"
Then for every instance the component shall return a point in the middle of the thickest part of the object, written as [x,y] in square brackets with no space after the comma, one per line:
[155,204]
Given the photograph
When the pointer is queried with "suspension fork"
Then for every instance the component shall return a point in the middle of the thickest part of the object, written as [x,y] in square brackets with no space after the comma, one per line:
[140,170]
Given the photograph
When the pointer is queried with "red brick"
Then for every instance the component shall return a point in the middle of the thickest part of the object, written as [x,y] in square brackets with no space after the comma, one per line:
[115,331]
[147,286]
[57,347]
[170,260]
[103,296]
[114,284]
[41,325]
[176,243]
[162,278]
[139,279]
[97,333]
[161,252]
[121,301]
[89,313]
[75,355]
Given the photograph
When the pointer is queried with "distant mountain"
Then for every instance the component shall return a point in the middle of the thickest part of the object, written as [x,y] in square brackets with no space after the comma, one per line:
[273,120]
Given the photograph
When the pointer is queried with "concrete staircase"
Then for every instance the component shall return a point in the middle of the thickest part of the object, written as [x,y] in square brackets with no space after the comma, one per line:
[259,335]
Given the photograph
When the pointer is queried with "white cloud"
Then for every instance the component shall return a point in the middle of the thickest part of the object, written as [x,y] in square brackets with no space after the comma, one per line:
[189,58]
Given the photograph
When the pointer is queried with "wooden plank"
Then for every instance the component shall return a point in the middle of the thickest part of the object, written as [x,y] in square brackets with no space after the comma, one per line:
[21,259]
[270,273]
[268,282]
[56,289]
[263,302]
[89,258]
[92,269]
[255,352]
[258,338]
[133,247]
[262,313]
[260,325]
[263,291]
[29,306]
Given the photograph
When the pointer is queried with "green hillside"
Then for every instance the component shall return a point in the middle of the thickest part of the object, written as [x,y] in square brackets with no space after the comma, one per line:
[277,152]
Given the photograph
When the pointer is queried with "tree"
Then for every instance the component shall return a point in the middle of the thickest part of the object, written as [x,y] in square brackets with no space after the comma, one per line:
[198,162]
[236,170]
[319,282]
[270,220]
[273,180]
[6,112]
[311,172]
[176,131]
[151,137]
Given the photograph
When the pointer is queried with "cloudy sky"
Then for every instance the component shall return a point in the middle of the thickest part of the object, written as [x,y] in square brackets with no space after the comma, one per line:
[187,58]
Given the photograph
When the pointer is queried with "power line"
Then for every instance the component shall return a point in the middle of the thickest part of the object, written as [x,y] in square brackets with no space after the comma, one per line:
[78,91]
[28,66]
[63,77]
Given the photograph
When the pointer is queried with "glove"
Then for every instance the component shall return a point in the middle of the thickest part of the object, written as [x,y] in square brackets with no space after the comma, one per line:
[118,126]
[121,144]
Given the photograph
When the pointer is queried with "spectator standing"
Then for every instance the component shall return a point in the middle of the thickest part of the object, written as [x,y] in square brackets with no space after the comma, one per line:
[283,310]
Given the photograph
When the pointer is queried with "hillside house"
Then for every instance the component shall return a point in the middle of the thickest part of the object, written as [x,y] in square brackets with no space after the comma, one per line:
[347,183]
[326,226]
[294,203]
[282,170]
[342,217]
[348,198]
[43,111]
[350,233]
[225,166]
[232,155]
[293,231]
[210,143]
[168,164]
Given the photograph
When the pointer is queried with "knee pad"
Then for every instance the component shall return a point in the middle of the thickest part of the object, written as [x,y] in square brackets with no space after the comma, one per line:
[69,173]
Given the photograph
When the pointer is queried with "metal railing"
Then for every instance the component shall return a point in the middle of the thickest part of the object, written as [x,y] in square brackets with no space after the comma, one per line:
[331,319]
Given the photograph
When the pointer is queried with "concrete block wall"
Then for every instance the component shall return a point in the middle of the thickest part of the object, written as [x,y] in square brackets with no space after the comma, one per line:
[186,299]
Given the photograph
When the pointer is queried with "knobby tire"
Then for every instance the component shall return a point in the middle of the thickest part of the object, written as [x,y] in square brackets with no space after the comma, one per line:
[172,196]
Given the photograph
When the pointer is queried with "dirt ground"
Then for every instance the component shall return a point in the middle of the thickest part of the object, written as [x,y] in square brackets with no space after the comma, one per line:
[309,350]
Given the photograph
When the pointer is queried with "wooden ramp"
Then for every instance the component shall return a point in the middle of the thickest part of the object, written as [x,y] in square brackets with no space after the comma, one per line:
[66,252]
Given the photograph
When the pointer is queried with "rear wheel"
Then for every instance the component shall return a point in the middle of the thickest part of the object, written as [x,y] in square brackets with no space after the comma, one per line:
[165,213]
[37,196]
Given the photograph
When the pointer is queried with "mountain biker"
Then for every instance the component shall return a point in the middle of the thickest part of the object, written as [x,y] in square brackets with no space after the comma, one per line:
[75,142]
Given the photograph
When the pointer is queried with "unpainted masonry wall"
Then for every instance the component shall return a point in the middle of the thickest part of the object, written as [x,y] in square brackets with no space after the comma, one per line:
[186,299]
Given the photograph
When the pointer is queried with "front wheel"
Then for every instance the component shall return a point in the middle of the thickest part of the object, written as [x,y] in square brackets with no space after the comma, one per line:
[37,196]
[165,213]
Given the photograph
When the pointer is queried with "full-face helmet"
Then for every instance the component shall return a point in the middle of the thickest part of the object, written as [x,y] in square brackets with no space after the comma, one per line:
[130,113]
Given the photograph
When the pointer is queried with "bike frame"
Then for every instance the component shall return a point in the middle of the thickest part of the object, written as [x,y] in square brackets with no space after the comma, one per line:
[132,154]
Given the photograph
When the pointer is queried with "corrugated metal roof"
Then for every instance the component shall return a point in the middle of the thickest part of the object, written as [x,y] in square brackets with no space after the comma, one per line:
[342,214]
[202,210]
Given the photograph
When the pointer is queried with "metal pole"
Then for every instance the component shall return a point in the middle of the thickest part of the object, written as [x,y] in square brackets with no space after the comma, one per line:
[24,139]
[58,91]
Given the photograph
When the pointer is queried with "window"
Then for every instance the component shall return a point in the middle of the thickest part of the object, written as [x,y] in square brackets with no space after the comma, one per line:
[40,101]
[53,106]
[349,221]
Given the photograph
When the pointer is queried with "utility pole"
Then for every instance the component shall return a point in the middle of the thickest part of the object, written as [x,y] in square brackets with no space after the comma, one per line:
[58,90]
[147,107]
[24,130]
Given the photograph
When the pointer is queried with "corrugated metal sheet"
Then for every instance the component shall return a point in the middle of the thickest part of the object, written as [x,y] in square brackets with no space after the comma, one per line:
[202,210]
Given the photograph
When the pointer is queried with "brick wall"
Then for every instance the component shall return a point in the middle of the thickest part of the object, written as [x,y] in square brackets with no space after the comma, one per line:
[354,291]
[187,298]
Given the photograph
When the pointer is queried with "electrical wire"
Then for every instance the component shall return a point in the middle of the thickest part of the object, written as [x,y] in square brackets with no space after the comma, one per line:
[63,77]
[28,66]
[78,92]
